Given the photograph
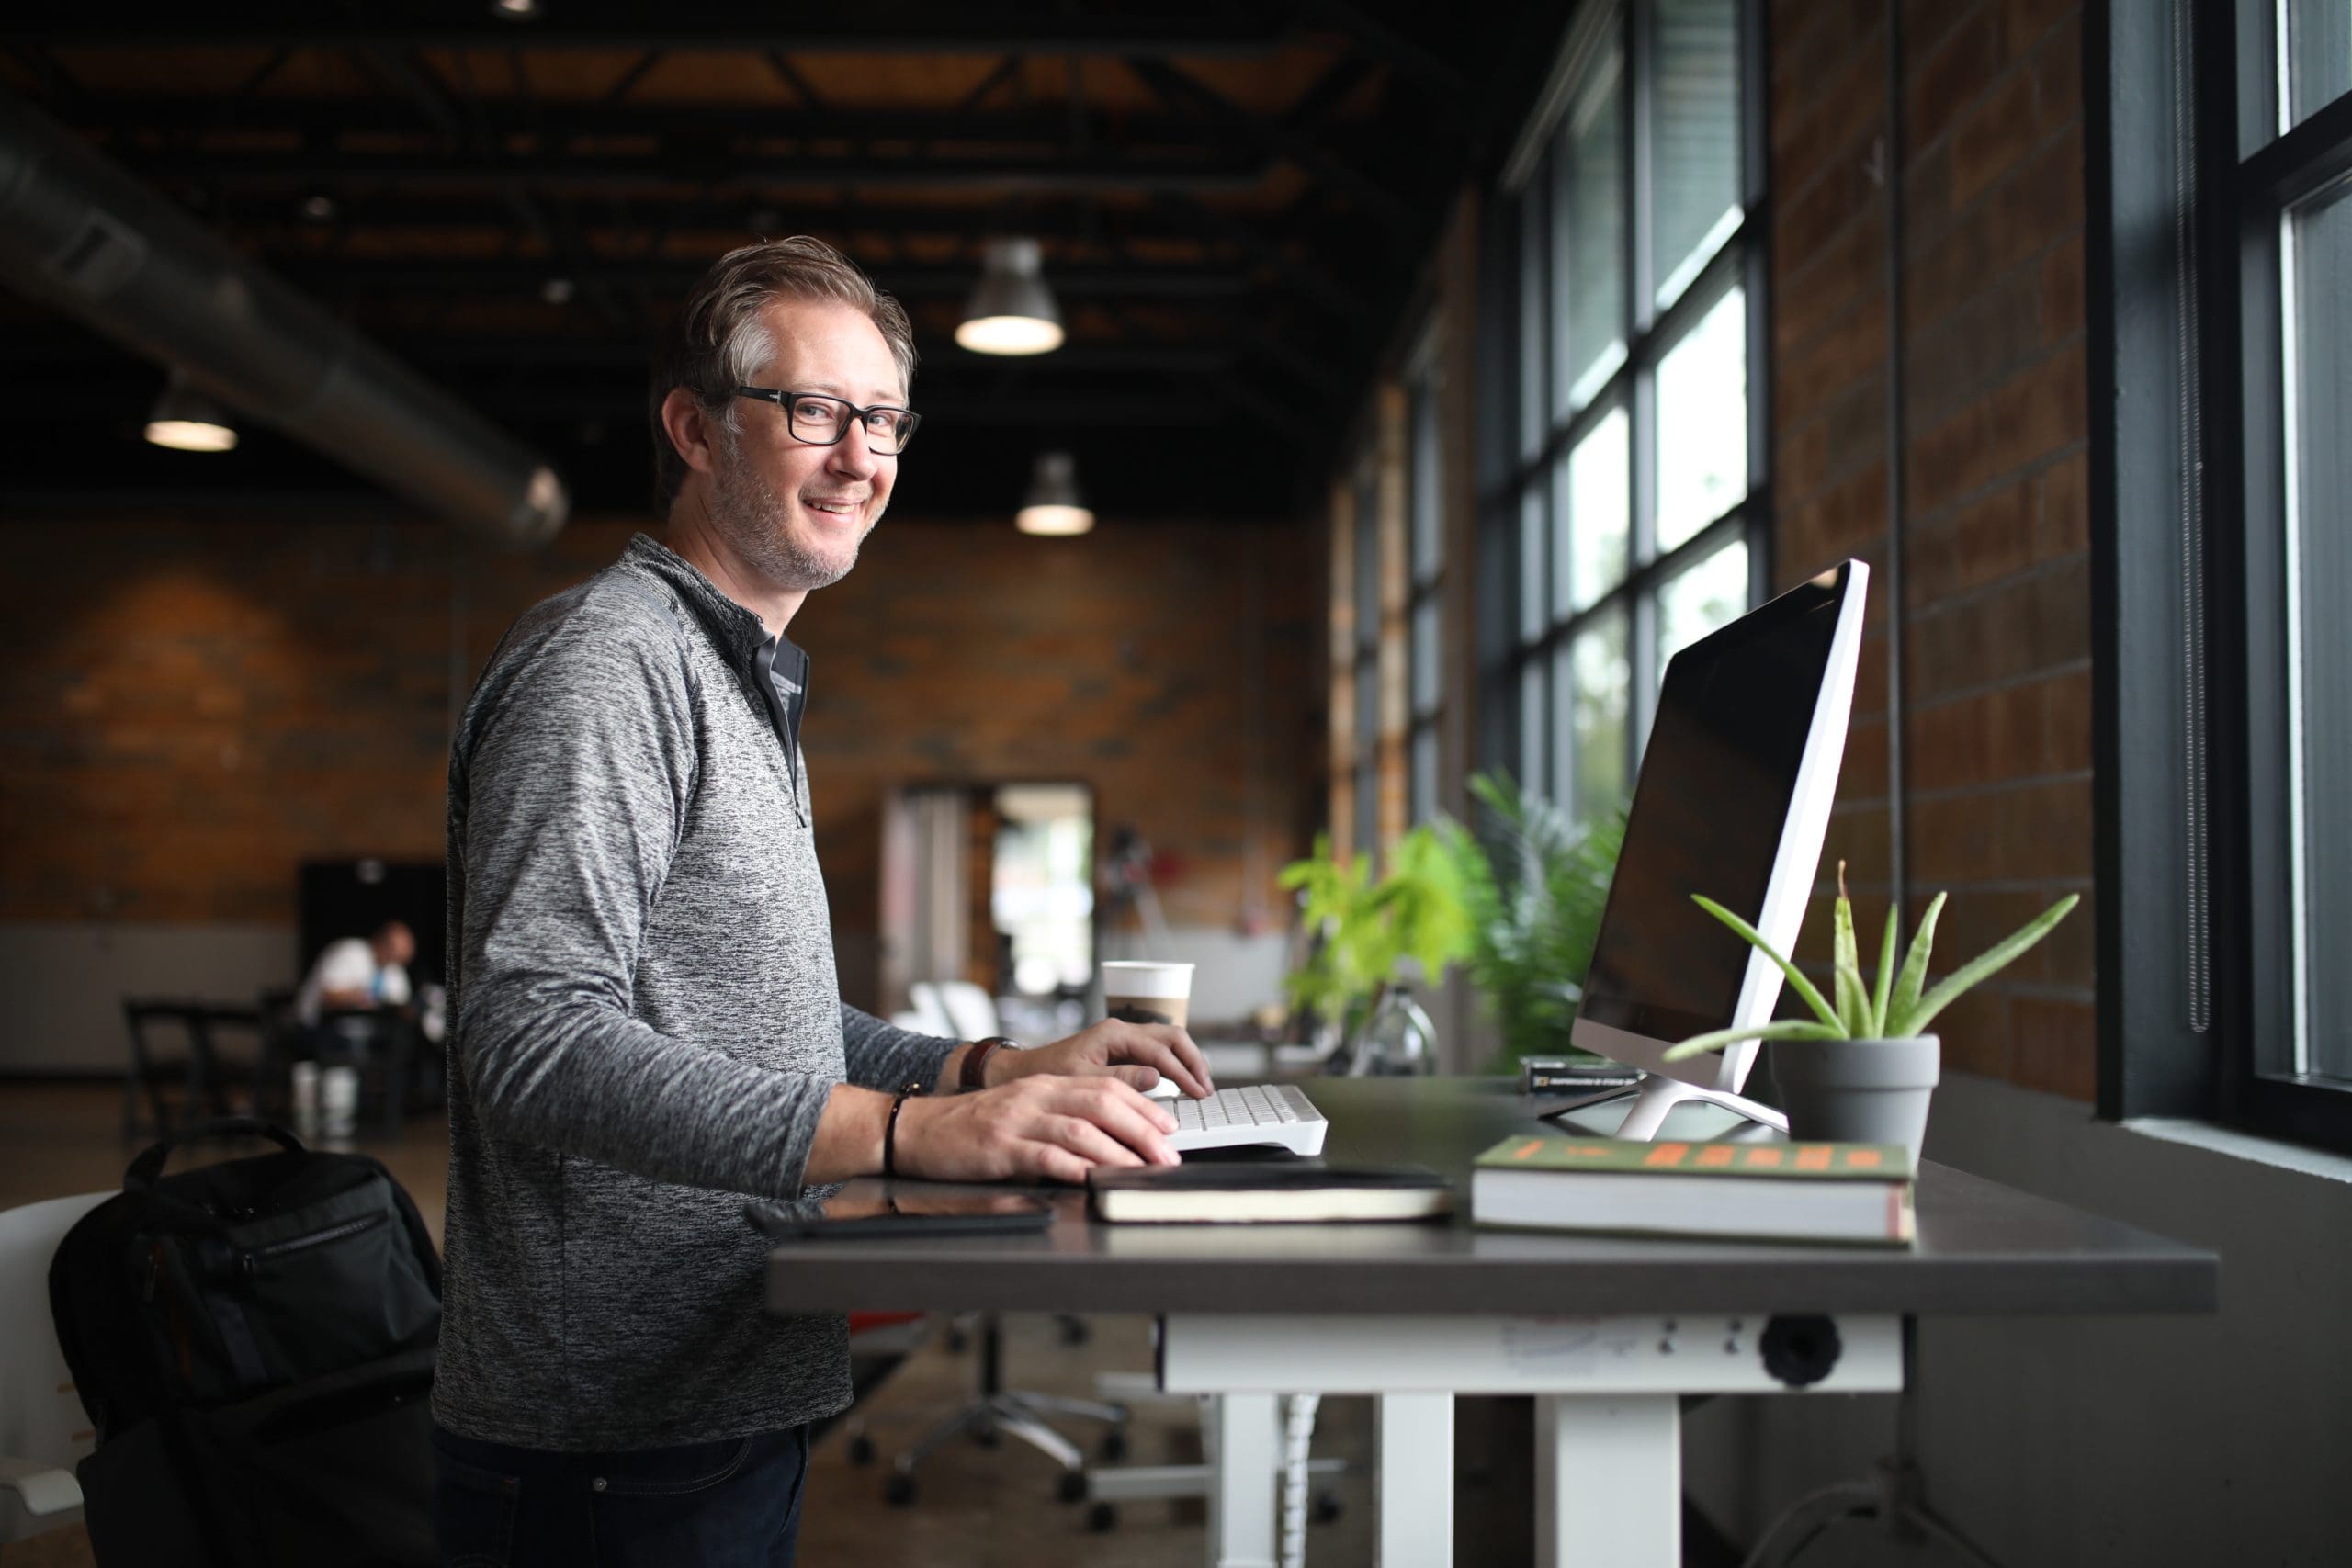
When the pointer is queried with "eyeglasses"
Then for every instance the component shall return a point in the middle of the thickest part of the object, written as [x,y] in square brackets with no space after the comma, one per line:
[821,421]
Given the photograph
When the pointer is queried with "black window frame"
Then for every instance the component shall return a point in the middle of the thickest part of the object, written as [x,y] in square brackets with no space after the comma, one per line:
[1424,458]
[1364,482]
[1510,471]
[2189,180]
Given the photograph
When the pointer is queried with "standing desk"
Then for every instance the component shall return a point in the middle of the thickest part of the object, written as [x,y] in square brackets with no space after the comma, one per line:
[1608,1333]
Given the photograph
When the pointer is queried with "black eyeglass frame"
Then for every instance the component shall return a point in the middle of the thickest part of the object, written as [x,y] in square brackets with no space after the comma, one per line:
[784,401]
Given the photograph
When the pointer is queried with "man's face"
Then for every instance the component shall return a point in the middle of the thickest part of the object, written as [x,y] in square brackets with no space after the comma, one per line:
[395,944]
[794,510]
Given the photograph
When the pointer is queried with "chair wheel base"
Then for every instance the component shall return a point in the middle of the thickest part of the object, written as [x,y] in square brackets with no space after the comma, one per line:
[861,1450]
[1102,1519]
[1072,1487]
[899,1491]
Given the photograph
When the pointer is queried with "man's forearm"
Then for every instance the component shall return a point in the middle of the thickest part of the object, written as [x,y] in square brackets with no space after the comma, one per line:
[849,1135]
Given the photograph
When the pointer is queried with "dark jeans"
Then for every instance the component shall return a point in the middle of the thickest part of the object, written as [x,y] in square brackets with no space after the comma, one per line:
[734,1504]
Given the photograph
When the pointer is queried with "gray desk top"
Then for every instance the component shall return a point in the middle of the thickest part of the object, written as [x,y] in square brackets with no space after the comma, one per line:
[1982,1248]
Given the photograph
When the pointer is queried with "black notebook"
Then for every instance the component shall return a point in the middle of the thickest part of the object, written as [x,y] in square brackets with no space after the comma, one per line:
[1293,1191]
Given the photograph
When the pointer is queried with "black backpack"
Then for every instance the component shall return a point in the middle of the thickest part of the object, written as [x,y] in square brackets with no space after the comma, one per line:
[254,1341]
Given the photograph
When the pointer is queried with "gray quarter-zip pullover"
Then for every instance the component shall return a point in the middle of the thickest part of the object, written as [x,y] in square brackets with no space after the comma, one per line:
[647,1025]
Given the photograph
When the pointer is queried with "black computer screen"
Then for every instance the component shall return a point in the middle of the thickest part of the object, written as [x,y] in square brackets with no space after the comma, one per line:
[1709,807]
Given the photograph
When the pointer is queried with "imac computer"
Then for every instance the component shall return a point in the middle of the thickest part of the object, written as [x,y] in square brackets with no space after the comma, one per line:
[1733,801]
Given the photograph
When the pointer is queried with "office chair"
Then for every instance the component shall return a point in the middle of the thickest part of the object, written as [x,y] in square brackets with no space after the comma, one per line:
[44,1430]
[925,1013]
[997,1410]
[971,1011]
[203,1091]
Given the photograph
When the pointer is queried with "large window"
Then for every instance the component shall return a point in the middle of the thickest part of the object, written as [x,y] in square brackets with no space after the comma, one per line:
[1631,496]
[2225,872]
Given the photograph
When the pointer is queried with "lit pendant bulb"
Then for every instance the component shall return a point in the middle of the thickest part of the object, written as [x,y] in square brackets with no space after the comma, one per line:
[187,421]
[1053,506]
[1012,310]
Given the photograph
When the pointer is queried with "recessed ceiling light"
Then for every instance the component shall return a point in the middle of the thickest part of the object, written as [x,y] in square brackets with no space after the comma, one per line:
[515,10]
[556,291]
[319,206]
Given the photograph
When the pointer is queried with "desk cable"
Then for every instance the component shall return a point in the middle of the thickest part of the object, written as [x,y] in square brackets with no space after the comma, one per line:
[1299,1432]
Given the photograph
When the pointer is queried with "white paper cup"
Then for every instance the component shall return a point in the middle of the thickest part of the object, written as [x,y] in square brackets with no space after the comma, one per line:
[339,1097]
[1136,991]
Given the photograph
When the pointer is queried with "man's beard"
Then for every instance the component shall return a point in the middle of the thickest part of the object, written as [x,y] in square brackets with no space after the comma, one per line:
[752,517]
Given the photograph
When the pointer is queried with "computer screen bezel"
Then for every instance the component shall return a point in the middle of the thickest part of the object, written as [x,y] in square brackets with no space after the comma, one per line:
[1795,862]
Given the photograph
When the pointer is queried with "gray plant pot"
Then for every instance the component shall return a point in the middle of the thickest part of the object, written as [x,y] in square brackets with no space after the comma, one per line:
[1857,1091]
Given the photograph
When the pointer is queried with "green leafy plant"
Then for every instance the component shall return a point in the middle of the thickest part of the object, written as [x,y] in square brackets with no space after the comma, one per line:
[1369,927]
[1533,888]
[1893,1009]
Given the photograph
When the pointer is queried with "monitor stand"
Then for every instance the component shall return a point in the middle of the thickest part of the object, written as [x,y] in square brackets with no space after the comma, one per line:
[1658,1094]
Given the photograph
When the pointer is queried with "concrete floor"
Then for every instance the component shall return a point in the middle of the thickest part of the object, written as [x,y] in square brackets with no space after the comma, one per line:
[977,1506]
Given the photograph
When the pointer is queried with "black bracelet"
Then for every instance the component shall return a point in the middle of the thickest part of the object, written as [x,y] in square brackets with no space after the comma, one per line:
[890,1129]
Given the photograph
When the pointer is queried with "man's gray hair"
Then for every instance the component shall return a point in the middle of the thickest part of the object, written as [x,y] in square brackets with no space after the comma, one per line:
[718,342]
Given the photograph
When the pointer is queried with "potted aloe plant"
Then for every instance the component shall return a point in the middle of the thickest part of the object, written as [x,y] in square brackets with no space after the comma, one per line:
[1863,1071]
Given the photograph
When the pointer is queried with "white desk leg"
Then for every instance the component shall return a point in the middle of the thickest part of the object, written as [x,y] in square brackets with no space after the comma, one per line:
[1242,1457]
[1609,1481]
[1415,1480]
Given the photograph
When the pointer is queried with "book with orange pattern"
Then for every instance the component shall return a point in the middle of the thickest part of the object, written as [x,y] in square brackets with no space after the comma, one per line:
[1775,1191]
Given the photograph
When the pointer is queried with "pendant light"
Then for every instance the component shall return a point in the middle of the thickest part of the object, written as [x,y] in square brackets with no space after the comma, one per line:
[1012,310]
[1053,506]
[187,421]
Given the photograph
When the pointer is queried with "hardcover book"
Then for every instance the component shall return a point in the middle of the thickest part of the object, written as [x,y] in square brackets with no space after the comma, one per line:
[1778,1191]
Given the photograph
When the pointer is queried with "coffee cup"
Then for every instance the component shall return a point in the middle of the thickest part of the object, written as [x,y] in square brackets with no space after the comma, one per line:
[339,1100]
[1140,992]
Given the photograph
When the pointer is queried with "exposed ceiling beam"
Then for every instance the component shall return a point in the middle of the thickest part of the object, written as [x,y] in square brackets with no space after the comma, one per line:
[1361,188]
[1335,297]
[582,25]
[1390,47]
[629,78]
[1128,170]
[491,278]
[1177,217]
[144,115]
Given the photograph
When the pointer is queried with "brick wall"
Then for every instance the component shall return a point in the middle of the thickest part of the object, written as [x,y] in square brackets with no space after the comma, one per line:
[196,704]
[1996,611]
[1167,667]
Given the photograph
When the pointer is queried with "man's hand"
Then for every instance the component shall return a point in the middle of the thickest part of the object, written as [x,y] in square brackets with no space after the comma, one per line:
[1040,1126]
[1139,1053]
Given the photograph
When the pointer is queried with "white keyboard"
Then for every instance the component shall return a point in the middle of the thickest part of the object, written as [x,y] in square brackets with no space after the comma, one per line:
[1260,1114]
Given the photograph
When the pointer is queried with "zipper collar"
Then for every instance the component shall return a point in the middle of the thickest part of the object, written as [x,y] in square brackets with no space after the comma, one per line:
[736,630]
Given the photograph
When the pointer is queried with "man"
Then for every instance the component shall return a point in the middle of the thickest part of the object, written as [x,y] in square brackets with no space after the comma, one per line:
[648,1022]
[356,973]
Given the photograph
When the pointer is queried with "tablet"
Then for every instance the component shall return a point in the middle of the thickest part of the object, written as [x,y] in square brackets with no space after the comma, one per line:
[871,1208]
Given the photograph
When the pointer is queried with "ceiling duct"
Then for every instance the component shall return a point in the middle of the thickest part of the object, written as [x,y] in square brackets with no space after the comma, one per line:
[84,236]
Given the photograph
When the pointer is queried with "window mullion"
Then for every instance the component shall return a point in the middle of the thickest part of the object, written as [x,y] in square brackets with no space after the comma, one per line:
[1640,173]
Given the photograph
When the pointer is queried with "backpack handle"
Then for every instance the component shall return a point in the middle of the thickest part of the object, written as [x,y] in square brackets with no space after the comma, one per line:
[150,1164]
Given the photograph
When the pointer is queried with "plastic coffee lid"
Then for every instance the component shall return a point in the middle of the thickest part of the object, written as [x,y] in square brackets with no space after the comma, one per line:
[1124,977]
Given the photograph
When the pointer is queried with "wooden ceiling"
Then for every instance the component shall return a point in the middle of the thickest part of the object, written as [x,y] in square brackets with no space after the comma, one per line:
[1234,201]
